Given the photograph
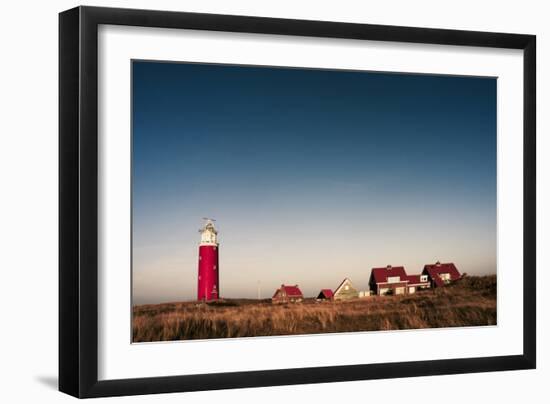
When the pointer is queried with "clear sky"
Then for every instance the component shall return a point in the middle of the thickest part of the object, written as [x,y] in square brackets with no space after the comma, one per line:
[312,175]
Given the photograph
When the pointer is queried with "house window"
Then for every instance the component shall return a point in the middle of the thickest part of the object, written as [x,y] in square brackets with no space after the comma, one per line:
[394,279]
[423,278]
[346,287]
[445,277]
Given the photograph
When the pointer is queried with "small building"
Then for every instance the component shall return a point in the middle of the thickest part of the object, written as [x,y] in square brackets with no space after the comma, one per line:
[364,293]
[441,274]
[287,294]
[325,294]
[345,291]
[389,280]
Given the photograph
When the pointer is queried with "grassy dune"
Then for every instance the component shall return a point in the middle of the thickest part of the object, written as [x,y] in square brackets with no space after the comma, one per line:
[468,302]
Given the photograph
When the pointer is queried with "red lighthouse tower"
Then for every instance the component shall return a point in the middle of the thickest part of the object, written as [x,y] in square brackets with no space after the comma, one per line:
[208,285]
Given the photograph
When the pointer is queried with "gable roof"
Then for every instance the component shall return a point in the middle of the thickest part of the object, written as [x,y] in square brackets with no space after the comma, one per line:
[291,291]
[341,286]
[326,293]
[381,275]
[434,270]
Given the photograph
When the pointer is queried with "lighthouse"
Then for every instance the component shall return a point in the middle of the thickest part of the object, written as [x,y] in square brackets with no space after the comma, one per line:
[208,282]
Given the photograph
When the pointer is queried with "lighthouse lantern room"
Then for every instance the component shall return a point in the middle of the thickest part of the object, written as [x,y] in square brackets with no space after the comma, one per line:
[208,282]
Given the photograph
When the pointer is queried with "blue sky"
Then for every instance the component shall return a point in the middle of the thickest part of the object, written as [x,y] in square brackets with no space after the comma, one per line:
[312,175]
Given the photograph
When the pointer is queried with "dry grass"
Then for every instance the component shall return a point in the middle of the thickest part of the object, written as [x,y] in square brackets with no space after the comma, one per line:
[469,302]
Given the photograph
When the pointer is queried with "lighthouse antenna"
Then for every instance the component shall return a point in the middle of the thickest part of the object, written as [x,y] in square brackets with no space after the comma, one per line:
[209,218]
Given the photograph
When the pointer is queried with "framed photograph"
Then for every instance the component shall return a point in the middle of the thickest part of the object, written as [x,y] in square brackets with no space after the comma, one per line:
[250,201]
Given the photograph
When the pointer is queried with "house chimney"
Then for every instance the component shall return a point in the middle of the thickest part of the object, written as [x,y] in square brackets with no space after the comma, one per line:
[388,267]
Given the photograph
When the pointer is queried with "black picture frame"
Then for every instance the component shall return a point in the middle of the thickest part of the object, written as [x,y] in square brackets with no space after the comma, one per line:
[78,201]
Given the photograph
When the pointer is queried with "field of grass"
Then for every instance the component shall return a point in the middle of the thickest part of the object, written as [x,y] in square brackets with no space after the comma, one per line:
[470,301]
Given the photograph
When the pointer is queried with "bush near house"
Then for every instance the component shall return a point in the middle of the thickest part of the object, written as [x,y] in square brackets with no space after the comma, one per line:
[469,301]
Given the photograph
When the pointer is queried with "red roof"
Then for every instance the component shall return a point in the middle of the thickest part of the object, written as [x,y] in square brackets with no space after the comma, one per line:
[434,270]
[415,279]
[327,293]
[291,291]
[381,275]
